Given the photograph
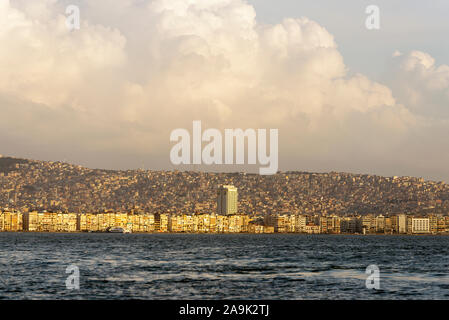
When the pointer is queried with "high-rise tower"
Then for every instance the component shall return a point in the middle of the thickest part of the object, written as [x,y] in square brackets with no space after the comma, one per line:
[226,200]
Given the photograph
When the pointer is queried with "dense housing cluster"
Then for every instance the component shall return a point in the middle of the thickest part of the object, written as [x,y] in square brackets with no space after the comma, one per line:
[82,199]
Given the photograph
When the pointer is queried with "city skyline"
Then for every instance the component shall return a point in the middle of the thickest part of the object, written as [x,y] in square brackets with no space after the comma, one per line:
[135,222]
[31,185]
[227,219]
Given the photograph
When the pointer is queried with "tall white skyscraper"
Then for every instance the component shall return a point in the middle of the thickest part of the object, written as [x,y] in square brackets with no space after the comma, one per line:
[226,200]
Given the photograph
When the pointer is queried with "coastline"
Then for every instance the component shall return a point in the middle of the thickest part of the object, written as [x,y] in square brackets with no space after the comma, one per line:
[233,233]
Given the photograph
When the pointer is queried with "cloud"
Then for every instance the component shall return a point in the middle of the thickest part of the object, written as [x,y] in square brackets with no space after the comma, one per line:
[397,53]
[422,85]
[43,62]
[136,70]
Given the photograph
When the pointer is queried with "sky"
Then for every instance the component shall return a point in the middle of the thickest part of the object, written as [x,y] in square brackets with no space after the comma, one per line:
[406,25]
[343,97]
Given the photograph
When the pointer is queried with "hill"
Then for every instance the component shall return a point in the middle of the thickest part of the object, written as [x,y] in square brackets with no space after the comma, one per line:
[71,188]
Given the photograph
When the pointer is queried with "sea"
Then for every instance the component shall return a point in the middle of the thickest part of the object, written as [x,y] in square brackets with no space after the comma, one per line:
[46,266]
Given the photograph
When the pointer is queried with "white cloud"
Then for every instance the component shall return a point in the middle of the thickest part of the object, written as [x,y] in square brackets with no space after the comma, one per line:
[422,85]
[137,70]
[43,62]
[397,53]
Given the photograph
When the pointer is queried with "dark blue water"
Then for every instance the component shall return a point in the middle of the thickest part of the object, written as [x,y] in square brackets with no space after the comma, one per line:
[133,266]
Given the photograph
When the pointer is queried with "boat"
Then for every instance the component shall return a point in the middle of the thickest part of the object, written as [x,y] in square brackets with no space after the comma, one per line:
[117,230]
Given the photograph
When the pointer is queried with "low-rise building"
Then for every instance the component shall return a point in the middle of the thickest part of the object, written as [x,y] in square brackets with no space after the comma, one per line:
[11,221]
[312,229]
[420,225]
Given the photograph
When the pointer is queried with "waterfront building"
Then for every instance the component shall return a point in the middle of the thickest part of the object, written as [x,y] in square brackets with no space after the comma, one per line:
[433,223]
[420,225]
[444,224]
[323,224]
[272,221]
[351,225]
[409,224]
[213,223]
[312,228]
[291,223]
[175,223]
[380,223]
[280,223]
[300,223]
[401,223]
[388,228]
[255,228]
[11,221]
[92,222]
[66,222]
[222,224]
[203,222]
[441,224]
[369,223]
[161,222]
[238,223]
[30,221]
[330,224]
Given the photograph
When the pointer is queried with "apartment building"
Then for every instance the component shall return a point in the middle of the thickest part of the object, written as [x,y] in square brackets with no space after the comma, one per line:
[420,225]
[11,221]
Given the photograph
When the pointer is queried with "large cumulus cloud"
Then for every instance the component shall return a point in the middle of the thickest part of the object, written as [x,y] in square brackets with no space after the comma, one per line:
[422,84]
[109,94]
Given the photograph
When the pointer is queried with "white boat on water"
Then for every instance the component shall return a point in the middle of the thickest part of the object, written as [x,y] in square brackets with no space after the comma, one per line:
[118,230]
